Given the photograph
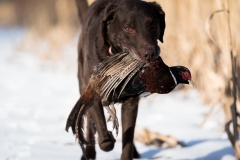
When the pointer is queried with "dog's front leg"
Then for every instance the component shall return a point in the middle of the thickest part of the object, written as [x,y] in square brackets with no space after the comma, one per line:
[129,116]
[105,138]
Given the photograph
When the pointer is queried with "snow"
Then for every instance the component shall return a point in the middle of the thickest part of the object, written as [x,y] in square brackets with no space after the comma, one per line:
[36,98]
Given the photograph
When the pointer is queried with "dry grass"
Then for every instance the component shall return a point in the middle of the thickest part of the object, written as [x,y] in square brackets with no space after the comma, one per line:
[51,25]
[7,14]
[186,41]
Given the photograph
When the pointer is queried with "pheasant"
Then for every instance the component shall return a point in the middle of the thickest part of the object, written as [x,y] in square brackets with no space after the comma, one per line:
[120,77]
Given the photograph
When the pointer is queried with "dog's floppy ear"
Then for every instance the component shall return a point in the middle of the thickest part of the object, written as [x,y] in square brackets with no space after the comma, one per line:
[108,16]
[103,15]
[161,19]
[109,12]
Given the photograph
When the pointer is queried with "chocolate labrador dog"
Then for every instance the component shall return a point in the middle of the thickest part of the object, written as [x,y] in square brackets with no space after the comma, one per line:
[109,27]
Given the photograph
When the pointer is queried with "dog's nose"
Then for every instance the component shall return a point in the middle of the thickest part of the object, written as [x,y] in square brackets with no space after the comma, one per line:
[149,54]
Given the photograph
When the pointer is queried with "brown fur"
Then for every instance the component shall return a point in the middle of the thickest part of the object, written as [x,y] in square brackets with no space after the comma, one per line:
[116,24]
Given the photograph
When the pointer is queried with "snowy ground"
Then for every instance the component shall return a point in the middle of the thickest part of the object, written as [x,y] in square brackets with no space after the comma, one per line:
[36,98]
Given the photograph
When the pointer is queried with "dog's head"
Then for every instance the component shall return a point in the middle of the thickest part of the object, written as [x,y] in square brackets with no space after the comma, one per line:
[135,26]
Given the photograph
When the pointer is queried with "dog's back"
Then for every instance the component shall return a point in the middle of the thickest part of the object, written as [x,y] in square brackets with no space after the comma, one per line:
[92,48]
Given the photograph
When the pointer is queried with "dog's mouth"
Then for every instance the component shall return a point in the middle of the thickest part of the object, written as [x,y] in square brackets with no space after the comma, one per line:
[133,53]
[138,56]
[112,50]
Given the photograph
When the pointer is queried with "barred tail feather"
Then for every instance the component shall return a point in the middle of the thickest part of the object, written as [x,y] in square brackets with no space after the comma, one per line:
[130,77]
[71,120]
[109,84]
[79,125]
[108,63]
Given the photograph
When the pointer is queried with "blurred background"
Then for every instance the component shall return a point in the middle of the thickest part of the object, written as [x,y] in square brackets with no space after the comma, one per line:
[193,38]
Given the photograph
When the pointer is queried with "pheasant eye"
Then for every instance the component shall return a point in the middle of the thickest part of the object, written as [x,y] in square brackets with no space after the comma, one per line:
[186,75]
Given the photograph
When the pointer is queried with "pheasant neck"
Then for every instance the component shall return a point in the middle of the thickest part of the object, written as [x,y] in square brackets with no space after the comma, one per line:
[174,78]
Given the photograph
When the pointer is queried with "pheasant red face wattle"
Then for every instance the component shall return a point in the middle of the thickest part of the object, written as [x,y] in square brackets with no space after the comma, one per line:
[187,76]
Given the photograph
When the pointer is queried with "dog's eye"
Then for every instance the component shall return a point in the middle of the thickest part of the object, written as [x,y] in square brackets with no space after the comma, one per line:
[128,29]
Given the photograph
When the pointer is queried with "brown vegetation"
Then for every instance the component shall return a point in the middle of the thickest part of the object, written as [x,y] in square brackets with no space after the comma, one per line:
[151,138]
[187,42]
[50,24]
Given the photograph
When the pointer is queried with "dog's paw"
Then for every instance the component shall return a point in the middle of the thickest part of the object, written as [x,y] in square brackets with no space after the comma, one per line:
[107,144]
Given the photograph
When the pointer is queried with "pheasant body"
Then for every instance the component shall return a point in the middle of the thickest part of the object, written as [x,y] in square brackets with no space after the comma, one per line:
[119,78]
[154,77]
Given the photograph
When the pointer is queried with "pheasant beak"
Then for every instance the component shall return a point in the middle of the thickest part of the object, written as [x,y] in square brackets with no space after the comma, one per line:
[191,83]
